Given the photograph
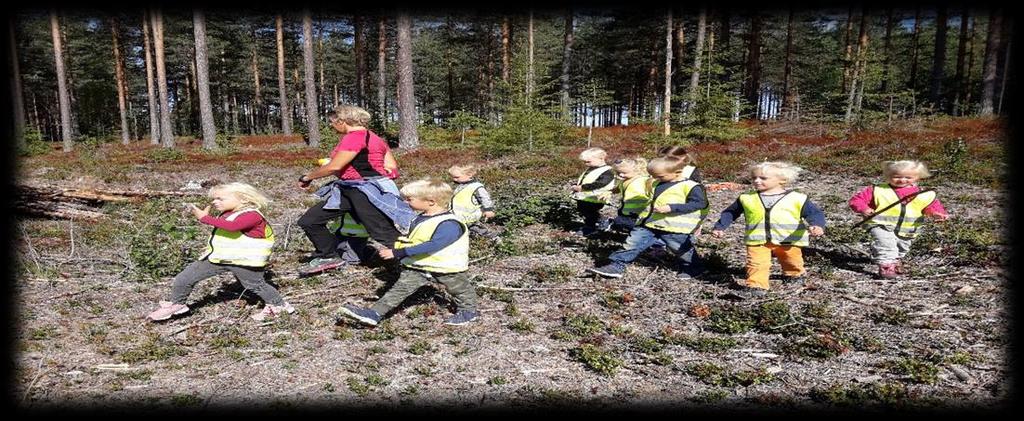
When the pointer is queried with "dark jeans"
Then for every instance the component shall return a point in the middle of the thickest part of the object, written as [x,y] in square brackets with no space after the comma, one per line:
[378,225]
[641,238]
[590,211]
[251,278]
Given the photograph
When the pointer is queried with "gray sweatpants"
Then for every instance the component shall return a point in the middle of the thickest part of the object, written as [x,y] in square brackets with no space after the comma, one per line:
[458,285]
[886,247]
[251,278]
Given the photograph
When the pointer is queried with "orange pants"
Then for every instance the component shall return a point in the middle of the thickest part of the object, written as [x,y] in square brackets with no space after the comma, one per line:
[759,263]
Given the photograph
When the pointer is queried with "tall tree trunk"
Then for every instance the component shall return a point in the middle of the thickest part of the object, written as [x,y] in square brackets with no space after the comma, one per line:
[966,87]
[566,57]
[312,118]
[382,54]
[506,32]
[939,58]
[407,134]
[286,110]
[859,65]
[787,72]
[257,96]
[72,98]
[62,84]
[166,134]
[754,60]
[205,107]
[119,80]
[154,113]
[666,112]
[887,56]
[678,50]
[711,60]
[529,71]
[848,45]
[18,101]
[698,52]
[360,56]
[991,65]
[449,64]
[961,52]
[321,92]
[1008,36]
[912,83]
[234,114]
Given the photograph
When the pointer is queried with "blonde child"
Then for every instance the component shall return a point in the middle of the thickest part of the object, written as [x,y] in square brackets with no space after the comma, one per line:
[893,230]
[690,171]
[436,250]
[471,202]
[635,187]
[241,242]
[775,225]
[676,210]
[593,189]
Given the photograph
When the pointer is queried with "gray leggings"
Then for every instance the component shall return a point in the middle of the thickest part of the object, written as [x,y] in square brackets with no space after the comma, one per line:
[251,279]
[886,247]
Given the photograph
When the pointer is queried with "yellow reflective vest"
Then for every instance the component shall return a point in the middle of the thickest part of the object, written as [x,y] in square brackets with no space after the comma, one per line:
[781,224]
[685,223]
[462,203]
[347,226]
[235,248]
[636,195]
[906,218]
[451,259]
[599,195]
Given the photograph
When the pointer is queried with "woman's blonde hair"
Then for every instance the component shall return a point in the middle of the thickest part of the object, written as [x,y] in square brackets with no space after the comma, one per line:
[429,189]
[637,164]
[593,153]
[351,115]
[248,195]
[893,167]
[464,169]
[786,171]
[678,152]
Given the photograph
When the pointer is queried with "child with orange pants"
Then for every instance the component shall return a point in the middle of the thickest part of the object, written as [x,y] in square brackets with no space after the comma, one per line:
[775,225]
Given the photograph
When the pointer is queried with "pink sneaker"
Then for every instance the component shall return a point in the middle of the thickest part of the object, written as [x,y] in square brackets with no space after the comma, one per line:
[271,311]
[166,310]
[887,271]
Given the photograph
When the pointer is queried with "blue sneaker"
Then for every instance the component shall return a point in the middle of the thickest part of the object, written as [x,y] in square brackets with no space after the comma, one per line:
[609,271]
[462,317]
[364,315]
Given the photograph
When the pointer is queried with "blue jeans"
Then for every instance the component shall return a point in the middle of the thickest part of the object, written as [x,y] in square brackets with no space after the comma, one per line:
[642,238]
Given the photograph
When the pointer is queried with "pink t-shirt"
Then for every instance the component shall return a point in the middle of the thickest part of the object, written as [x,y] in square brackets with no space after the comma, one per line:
[251,224]
[363,164]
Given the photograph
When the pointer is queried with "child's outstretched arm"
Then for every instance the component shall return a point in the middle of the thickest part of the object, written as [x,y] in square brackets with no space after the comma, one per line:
[861,202]
[483,197]
[727,217]
[936,211]
[243,222]
[814,217]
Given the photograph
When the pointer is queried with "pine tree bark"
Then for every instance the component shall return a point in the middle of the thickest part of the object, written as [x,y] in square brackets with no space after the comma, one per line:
[991,64]
[286,110]
[848,57]
[666,114]
[166,134]
[1006,35]
[62,85]
[16,92]
[887,55]
[859,65]
[529,71]
[119,80]
[566,60]
[154,113]
[961,55]
[312,118]
[966,87]
[787,72]
[203,82]
[506,32]
[912,83]
[257,95]
[382,54]
[754,61]
[407,131]
[698,52]
[939,58]
[360,56]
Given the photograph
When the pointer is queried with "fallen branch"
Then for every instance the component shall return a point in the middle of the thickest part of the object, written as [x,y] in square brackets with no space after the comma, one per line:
[857,300]
[532,289]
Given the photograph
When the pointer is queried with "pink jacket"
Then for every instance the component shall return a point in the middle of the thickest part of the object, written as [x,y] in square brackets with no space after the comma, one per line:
[864,200]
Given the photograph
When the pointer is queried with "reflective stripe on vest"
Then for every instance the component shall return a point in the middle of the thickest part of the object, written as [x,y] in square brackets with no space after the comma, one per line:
[598,195]
[635,196]
[347,226]
[906,218]
[462,203]
[235,248]
[685,223]
[781,224]
[688,171]
[451,259]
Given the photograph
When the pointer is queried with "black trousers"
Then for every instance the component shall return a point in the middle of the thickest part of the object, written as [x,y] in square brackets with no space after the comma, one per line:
[590,211]
[378,225]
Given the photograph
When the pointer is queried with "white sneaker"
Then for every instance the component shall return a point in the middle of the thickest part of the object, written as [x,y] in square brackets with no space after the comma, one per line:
[271,311]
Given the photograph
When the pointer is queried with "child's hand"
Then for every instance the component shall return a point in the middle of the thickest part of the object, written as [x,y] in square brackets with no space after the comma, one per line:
[866,212]
[938,217]
[386,254]
[576,188]
[199,213]
[816,231]
[717,233]
[663,209]
[488,215]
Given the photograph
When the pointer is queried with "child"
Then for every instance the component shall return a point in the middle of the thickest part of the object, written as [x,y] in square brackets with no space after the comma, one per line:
[676,210]
[775,225]
[690,172]
[893,230]
[635,187]
[436,250]
[240,243]
[471,202]
[352,239]
[593,189]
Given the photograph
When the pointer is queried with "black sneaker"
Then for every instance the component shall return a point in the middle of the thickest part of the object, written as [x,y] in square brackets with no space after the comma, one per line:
[364,315]
[462,317]
[608,271]
[748,293]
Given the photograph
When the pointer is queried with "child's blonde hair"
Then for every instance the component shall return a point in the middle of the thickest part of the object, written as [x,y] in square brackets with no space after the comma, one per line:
[593,153]
[464,169]
[246,194]
[429,189]
[786,171]
[350,114]
[666,164]
[893,167]
[637,164]
[678,152]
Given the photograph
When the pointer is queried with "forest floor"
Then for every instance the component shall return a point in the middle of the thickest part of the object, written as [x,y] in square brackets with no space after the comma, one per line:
[550,335]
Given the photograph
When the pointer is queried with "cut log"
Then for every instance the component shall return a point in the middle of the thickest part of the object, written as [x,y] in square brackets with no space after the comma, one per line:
[74,203]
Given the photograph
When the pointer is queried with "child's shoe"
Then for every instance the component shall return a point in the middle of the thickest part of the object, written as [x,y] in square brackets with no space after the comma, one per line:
[462,317]
[166,310]
[610,270]
[887,270]
[899,268]
[361,314]
[321,264]
[746,293]
[271,311]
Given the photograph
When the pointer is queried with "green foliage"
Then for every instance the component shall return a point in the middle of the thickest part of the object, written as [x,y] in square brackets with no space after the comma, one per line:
[599,360]
[529,202]
[420,347]
[550,274]
[858,395]
[163,241]
[164,155]
[916,369]
[702,343]
[34,143]
[577,326]
[890,315]
[152,348]
[715,375]
[522,326]
[231,337]
[820,346]
[731,319]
